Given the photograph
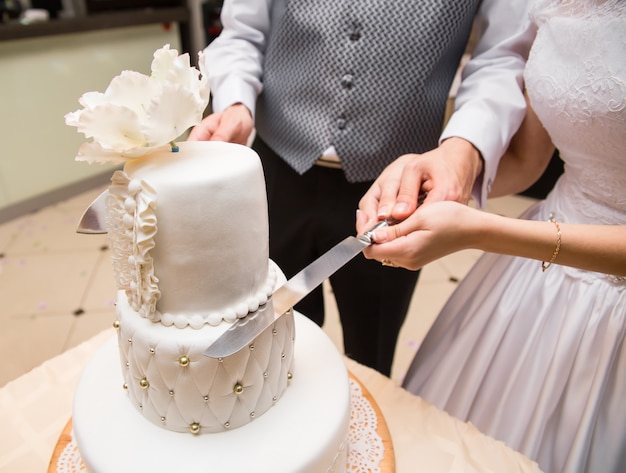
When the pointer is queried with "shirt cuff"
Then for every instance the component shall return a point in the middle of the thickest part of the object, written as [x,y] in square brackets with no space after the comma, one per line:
[480,127]
[237,91]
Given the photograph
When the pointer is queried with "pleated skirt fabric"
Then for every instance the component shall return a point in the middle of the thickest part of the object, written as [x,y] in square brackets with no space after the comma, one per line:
[535,359]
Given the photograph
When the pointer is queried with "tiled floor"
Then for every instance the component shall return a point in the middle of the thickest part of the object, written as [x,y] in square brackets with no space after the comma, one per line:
[56,287]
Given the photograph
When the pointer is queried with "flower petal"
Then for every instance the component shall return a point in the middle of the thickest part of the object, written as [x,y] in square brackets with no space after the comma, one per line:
[175,111]
[91,99]
[92,152]
[132,90]
[168,66]
[113,126]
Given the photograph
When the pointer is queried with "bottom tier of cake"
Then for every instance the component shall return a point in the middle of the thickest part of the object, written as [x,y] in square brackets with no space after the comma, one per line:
[305,432]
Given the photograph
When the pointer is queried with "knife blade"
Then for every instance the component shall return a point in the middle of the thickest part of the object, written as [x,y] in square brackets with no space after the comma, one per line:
[92,220]
[243,331]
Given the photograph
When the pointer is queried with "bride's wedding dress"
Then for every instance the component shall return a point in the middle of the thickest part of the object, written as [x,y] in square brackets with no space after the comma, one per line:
[538,360]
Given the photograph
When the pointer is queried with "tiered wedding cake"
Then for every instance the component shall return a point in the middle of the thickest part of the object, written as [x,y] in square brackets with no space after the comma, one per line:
[189,238]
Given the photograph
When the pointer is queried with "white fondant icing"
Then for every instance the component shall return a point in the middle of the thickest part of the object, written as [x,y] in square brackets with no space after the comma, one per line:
[189,239]
[303,433]
[200,391]
[131,226]
[189,234]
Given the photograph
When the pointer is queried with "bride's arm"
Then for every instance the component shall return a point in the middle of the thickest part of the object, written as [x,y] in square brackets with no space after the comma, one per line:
[441,228]
[599,248]
[526,158]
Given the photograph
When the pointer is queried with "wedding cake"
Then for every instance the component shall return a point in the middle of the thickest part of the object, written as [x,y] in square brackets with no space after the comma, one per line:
[188,229]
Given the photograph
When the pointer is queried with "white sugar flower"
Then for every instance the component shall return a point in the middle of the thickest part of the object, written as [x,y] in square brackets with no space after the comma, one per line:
[138,113]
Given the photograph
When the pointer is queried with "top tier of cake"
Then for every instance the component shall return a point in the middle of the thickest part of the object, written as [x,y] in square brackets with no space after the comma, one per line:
[209,197]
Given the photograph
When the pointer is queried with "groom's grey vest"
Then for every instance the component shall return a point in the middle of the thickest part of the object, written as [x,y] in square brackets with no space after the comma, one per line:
[369,77]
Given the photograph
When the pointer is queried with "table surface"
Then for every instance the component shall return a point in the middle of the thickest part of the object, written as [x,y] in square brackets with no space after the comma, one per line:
[35,408]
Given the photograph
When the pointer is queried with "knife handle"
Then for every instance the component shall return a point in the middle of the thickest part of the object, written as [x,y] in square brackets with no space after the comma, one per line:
[367,236]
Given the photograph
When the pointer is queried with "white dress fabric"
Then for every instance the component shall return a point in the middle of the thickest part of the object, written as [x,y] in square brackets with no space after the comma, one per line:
[538,360]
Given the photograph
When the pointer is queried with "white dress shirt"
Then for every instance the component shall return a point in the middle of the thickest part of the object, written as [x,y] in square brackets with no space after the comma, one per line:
[489,105]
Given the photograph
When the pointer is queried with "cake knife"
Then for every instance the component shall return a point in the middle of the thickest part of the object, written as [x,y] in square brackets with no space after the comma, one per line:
[92,221]
[243,331]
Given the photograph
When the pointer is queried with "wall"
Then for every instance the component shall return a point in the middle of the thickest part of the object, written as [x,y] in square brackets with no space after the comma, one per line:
[41,80]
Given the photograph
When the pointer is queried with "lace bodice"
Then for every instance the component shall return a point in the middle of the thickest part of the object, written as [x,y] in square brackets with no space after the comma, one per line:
[576,80]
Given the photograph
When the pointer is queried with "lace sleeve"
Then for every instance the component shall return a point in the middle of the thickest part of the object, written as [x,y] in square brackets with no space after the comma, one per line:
[543,10]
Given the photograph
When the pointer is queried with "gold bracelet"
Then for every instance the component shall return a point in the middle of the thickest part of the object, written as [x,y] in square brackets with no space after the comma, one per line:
[545,265]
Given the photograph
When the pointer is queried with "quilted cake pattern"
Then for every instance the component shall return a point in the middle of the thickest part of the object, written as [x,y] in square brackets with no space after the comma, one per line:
[177,387]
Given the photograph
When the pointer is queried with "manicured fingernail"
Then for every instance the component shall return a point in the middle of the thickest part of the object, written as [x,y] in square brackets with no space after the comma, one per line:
[400,207]
[380,236]
[383,211]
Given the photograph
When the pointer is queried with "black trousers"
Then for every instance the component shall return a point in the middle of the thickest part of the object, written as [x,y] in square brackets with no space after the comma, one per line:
[310,213]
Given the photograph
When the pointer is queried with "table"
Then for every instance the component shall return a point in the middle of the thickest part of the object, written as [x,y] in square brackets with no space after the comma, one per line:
[35,407]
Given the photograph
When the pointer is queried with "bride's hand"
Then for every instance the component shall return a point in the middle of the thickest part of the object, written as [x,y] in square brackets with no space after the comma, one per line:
[431,232]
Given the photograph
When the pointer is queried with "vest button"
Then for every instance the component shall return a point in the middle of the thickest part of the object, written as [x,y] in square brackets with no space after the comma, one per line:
[355,29]
[347,81]
[341,123]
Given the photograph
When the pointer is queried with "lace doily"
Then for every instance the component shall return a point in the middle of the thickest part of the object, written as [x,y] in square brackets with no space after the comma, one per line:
[365,446]
[70,461]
